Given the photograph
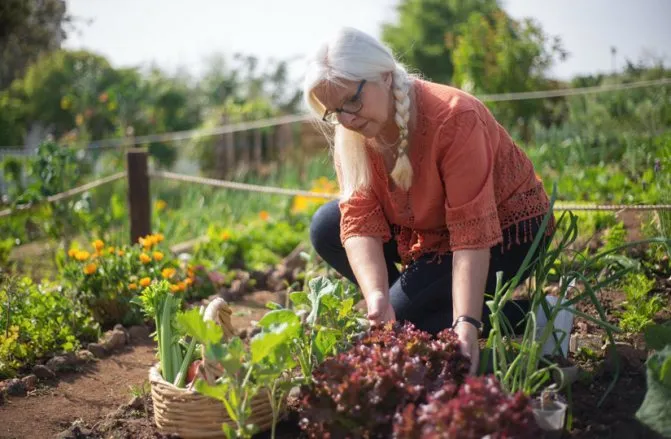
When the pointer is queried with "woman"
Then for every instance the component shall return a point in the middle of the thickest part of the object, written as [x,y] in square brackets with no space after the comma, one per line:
[429,180]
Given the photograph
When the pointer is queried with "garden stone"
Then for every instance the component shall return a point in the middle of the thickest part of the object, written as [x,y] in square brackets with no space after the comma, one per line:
[15,387]
[75,432]
[29,382]
[138,333]
[589,341]
[114,340]
[43,372]
[85,356]
[62,363]
[119,327]
[97,350]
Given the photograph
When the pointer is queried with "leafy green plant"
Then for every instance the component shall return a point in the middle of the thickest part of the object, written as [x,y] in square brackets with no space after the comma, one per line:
[655,411]
[38,320]
[639,308]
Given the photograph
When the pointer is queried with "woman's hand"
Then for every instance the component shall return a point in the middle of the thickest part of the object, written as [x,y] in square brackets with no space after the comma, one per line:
[468,341]
[379,308]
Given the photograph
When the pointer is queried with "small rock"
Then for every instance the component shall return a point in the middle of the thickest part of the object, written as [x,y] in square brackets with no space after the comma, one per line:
[237,289]
[97,350]
[119,327]
[29,382]
[579,341]
[75,432]
[15,387]
[61,363]
[114,340]
[630,357]
[43,372]
[85,356]
[138,333]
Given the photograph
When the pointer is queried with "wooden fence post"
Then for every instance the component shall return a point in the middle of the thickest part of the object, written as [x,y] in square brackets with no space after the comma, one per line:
[139,204]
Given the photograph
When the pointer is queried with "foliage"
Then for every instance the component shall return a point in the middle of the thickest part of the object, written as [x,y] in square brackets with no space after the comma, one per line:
[427,30]
[655,411]
[359,391]
[496,54]
[639,308]
[38,321]
[479,408]
[29,28]
[108,278]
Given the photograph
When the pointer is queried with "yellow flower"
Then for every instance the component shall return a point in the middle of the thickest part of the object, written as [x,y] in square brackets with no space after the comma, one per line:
[73,252]
[159,237]
[188,281]
[145,281]
[181,285]
[167,273]
[90,268]
[145,258]
[158,256]
[160,205]
[65,103]
[98,245]
[148,241]
[225,235]
[174,288]
[120,252]
[301,204]
[82,255]
[79,120]
[264,215]
[132,286]
[110,249]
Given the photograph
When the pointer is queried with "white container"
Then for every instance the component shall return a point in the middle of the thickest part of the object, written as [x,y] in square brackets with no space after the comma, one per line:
[550,418]
[563,324]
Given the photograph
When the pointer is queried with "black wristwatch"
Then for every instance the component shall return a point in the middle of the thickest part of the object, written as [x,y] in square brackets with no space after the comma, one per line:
[475,322]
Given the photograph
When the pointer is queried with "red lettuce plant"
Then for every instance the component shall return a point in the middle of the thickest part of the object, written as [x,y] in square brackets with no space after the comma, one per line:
[477,409]
[358,393]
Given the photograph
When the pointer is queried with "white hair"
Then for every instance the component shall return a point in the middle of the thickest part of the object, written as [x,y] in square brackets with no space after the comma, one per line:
[354,55]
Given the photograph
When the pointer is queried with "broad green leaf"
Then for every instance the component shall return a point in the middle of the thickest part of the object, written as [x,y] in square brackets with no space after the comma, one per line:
[324,342]
[265,344]
[299,298]
[346,307]
[331,302]
[655,411]
[218,391]
[277,318]
[319,287]
[273,305]
[192,323]
[658,336]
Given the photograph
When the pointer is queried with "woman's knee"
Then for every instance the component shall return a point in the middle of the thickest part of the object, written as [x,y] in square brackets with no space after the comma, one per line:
[325,227]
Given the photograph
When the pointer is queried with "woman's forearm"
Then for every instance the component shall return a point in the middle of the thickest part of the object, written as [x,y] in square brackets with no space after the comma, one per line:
[366,258]
[469,278]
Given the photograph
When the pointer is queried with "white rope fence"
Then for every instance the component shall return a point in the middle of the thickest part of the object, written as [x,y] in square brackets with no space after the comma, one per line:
[297,192]
[67,194]
[266,123]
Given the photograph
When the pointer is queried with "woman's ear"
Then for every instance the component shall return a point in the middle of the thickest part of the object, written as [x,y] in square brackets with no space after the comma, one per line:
[387,78]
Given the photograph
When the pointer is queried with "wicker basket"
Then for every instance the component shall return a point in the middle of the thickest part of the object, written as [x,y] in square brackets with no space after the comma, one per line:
[190,415]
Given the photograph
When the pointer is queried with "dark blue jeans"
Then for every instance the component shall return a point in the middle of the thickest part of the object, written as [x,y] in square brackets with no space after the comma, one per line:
[422,294]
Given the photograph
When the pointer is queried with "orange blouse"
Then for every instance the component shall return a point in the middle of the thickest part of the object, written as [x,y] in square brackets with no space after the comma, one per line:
[471,182]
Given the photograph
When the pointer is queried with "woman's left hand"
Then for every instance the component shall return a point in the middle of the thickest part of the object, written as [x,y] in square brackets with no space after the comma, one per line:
[468,340]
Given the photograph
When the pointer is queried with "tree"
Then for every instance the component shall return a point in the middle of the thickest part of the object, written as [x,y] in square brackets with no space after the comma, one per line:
[28,28]
[426,30]
[496,54]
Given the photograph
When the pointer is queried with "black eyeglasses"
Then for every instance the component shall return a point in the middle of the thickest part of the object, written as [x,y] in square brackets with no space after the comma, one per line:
[351,106]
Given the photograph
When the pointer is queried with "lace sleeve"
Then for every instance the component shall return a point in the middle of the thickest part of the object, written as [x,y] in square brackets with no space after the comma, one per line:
[361,214]
[467,166]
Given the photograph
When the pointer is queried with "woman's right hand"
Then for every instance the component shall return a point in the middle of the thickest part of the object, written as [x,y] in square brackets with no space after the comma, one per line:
[379,308]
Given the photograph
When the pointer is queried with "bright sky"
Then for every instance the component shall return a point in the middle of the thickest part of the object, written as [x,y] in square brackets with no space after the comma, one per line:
[174,33]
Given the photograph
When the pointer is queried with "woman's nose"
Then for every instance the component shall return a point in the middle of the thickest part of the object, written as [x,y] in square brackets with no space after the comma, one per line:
[346,118]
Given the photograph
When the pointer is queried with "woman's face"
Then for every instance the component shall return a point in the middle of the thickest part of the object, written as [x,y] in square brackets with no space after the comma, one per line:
[374,99]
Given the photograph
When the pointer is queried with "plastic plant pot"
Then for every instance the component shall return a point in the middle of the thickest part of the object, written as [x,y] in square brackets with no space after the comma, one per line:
[550,415]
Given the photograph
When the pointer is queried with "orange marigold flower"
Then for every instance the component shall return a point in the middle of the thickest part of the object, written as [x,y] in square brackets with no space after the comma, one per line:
[174,288]
[98,245]
[160,205]
[181,285]
[264,215]
[132,286]
[110,249]
[167,273]
[158,256]
[90,268]
[188,281]
[145,281]
[225,235]
[159,237]
[120,252]
[145,258]
[73,252]
[82,255]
